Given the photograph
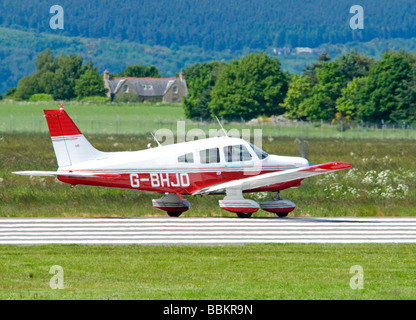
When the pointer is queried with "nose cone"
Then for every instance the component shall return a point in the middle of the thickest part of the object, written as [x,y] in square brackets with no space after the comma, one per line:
[300,162]
[304,162]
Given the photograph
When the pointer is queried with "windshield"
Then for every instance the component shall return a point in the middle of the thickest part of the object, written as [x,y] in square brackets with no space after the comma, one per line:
[260,153]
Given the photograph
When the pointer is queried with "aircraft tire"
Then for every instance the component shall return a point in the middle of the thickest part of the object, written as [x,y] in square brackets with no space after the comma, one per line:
[244,214]
[174,214]
[282,214]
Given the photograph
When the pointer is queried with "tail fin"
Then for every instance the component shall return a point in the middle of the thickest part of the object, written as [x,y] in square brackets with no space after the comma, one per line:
[70,145]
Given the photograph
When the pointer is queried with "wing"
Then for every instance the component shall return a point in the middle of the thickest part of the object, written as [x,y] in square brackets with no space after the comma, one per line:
[66,174]
[268,179]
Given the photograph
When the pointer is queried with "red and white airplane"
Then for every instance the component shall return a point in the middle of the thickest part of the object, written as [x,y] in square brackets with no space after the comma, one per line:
[220,165]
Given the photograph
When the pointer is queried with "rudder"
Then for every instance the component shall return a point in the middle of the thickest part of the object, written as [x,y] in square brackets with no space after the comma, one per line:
[70,145]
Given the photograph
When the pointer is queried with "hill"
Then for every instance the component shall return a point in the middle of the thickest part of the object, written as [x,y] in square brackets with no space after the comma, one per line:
[175,34]
[217,24]
[18,50]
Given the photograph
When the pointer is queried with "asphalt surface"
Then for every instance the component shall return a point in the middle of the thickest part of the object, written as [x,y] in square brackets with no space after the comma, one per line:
[209,231]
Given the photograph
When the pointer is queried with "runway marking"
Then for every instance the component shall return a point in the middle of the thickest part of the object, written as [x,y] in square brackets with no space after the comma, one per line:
[165,231]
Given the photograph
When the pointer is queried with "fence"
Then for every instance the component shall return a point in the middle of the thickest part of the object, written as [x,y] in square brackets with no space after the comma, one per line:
[114,125]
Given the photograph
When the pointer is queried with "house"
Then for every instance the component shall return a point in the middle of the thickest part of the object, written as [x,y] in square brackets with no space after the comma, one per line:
[304,50]
[170,90]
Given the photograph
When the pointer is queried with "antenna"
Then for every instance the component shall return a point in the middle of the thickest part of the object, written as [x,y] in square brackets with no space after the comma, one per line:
[223,130]
[155,139]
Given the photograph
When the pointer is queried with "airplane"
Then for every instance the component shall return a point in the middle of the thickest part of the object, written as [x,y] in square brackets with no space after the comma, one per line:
[219,165]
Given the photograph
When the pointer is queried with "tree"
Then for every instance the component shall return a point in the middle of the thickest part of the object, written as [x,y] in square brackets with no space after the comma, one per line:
[26,87]
[329,80]
[45,61]
[300,88]
[52,76]
[354,64]
[351,98]
[68,70]
[140,71]
[310,69]
[253,86]
[90,83]
[10,93]
[389,89]
[318,105]
[200,79]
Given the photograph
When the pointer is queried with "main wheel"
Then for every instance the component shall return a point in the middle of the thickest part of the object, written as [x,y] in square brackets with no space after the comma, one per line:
[244,215]
[174,214]
[282,214]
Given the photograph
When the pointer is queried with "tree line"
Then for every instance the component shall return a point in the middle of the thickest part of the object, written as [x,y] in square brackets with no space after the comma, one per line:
[351,87]
[67,77]
[217,24]
[61,78]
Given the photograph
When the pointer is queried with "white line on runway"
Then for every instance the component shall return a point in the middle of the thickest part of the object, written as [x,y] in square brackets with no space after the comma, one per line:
[206,230]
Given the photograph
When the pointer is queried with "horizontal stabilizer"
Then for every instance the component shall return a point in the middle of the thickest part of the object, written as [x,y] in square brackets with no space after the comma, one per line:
[66,174]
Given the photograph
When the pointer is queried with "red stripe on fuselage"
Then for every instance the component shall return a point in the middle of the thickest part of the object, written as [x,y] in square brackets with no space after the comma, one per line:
[173,182]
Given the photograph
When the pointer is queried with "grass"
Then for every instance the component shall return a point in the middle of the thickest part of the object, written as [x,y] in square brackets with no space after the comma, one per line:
[139,119]
[268,271]
[93,118]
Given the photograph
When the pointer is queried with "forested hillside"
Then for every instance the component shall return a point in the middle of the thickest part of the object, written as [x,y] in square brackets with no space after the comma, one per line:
[173,35]
[217,24]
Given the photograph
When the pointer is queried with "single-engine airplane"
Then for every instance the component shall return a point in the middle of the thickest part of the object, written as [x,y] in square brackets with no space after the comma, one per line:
[220,165]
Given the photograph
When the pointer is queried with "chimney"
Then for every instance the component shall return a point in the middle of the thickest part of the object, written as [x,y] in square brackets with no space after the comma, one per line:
[106,75]
[106,79]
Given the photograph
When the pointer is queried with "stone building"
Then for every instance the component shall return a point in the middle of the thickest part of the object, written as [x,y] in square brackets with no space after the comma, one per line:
[169,90]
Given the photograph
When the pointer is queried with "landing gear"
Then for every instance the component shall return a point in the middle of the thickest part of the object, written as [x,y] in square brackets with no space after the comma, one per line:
[173,214]
[235,202]
[172,203]
[244,208]
[244,215]
[282,214]
[278,206]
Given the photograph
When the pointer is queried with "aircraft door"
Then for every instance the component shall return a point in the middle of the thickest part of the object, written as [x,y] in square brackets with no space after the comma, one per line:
[237,159]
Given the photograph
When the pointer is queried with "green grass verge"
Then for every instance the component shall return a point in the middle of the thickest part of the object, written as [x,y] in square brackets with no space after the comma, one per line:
[140,118]
[267,271]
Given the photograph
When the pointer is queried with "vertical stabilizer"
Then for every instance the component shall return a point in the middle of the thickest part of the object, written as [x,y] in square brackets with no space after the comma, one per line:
[70,145]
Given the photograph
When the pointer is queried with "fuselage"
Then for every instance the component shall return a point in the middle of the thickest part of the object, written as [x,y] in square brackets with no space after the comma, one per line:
[184,168]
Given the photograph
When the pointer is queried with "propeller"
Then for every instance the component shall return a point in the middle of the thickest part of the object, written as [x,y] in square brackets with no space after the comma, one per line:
[303,148]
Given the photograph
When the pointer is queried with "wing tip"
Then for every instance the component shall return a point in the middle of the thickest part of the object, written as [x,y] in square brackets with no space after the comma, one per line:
[329,166]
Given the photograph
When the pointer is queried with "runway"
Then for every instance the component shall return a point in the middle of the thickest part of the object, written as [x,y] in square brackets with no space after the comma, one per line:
[208,231]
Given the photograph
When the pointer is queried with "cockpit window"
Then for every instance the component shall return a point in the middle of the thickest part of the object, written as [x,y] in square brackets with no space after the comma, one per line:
[259,152]
[186,158]
[236,153]
[210,155]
